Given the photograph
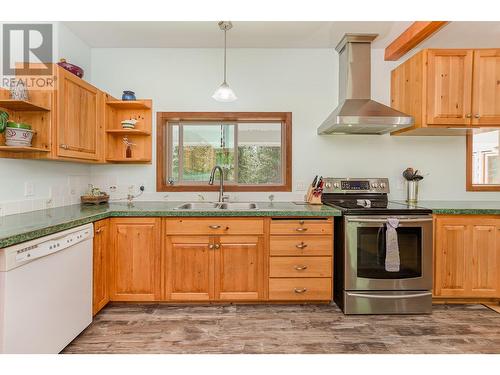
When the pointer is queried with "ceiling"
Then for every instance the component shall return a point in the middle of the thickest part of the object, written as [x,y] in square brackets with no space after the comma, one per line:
[270,34]
[244,34]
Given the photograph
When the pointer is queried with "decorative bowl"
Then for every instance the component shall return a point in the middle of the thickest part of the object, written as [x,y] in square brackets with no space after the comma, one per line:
[76,70]
[129,124]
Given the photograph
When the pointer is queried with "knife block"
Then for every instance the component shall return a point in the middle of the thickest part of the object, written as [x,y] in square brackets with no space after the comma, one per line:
[311,198]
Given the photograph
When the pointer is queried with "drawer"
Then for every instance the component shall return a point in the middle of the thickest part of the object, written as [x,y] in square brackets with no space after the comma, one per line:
[215,226]
[301,245]
[302,227]
[300,289]
[300,267]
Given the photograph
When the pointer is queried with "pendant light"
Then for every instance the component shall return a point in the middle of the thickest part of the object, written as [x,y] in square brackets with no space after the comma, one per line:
[224,93]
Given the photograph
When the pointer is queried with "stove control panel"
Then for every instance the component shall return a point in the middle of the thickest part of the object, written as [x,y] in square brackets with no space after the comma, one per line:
[356,185]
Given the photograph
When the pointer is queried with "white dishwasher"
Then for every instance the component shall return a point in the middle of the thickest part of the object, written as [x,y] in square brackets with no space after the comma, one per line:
[46,291]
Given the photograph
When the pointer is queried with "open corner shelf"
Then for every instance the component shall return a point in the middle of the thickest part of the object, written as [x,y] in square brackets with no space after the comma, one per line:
[128,131]
[21,105]
[128,104]
[130,160]
[23,149]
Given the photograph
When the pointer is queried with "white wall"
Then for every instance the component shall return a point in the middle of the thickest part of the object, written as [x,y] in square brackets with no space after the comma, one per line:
[303,81]
[54,183]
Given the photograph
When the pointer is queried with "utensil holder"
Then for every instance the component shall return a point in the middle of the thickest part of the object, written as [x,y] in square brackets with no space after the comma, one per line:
[412,192]
[311,198]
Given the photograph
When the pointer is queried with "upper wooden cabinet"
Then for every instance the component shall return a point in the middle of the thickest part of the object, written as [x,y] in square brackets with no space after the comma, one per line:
[467,257]
[448,88]
[135,262]
[76,121]
[80,118]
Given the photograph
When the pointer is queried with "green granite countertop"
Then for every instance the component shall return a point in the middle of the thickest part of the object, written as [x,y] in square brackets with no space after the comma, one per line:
[461,207]
[27,226]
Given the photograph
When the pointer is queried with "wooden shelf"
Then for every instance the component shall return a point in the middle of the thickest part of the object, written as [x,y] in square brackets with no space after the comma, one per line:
[128,104]
[128,131]
[21,105]
[129,160]
[23,149]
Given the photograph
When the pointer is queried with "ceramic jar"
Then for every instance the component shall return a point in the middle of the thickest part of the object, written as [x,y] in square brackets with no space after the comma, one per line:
[128,95]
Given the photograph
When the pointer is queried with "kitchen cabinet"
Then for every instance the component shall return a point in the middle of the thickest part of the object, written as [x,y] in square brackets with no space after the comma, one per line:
[209,259]
[448,88]
[135,264]
[467,256]
[100,265]
[80,118]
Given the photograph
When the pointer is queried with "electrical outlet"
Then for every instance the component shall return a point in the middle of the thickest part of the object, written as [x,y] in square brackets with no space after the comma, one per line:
[29,189]
[300,186]
[113,188]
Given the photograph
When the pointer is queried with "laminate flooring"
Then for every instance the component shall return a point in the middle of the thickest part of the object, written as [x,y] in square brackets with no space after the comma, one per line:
[221,329]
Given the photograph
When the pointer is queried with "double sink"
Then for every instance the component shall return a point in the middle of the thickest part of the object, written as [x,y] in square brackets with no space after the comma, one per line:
[202,206]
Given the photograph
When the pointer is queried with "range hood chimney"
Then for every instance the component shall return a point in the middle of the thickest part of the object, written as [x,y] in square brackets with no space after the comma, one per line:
[356,112]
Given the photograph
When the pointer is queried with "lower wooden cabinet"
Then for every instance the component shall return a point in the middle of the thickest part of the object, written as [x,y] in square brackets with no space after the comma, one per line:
[467,256]
[135,263]
[100,265]
[203,268]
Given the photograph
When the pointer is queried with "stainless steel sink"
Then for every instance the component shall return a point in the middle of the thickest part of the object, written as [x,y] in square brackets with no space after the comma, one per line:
[239,206]
[198,206]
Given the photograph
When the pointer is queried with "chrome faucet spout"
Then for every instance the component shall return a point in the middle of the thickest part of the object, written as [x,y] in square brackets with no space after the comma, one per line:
[221,181]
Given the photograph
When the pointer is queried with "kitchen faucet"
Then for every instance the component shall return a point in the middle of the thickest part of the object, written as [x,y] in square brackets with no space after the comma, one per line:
[221,182]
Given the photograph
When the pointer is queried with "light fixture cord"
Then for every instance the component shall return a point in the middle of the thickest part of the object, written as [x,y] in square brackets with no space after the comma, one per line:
[225,31]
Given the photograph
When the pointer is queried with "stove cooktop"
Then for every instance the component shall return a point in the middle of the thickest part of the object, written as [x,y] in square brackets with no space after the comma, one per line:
[351,207]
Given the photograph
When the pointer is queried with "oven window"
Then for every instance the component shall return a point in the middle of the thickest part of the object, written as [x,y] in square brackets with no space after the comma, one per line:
[371,253]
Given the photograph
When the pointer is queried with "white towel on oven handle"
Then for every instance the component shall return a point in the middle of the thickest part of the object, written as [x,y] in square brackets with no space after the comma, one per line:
[392,261]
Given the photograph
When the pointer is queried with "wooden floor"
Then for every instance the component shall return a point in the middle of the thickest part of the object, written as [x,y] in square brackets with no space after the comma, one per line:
[137,328]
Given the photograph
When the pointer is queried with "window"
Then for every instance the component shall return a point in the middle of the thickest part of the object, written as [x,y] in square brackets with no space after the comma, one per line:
[483,160]
[253,149]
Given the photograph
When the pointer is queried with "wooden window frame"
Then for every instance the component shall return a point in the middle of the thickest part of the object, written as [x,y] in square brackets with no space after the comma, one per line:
[162,142]
[469,186]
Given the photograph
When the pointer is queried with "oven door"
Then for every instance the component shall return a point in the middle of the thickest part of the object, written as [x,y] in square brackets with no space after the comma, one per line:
[366,250]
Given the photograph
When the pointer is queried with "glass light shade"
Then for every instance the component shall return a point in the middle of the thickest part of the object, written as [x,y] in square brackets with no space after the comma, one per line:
[224,93]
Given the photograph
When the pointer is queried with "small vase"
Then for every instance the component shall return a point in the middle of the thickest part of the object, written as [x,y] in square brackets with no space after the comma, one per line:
[18,91]
[128,95]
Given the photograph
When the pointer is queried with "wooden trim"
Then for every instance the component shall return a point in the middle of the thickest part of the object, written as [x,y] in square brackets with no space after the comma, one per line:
[411,37]
[162,158]
[468,170]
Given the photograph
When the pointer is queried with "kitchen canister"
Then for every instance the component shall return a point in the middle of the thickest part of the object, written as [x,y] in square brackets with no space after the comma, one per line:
[412,192]
[128,95]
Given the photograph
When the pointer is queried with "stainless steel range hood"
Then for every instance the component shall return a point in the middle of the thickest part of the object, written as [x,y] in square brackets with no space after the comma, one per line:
[356,112]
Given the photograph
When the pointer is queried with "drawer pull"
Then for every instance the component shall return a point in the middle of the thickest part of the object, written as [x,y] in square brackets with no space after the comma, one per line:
[300,229]
[300,290]
[217,246]
[214,226]
[300,268]
[301,245]
[211,246]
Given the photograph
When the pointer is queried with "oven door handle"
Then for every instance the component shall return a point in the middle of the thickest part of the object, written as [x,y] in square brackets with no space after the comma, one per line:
[391,296]
[416,220]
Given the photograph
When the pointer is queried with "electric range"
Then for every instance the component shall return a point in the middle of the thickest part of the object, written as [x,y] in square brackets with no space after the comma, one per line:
[363,284]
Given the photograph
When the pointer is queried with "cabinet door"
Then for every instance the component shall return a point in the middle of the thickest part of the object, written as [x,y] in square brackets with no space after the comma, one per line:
[80,118]
[484,260]
[135,262]
[452,239]
[100,265]
[239,268]
[449,87]
[190,267]
[486,87]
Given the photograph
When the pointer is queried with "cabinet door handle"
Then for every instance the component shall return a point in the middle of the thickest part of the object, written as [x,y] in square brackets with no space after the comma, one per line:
[300,229]
[301,245]
[217,246]
[468,115]
[214,226]
[210,246]
[300,268]
[477,115]
[63,146]
[300,290]
[99,230]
